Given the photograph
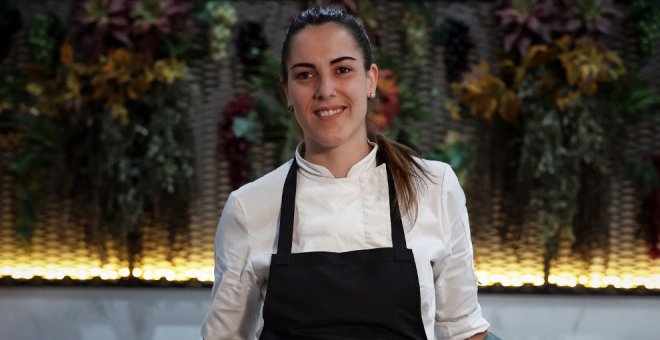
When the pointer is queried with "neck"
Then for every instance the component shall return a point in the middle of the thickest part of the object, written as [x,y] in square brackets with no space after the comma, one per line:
[338,160]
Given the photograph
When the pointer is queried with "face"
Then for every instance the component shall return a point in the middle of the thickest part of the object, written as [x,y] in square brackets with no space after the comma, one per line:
[328,86]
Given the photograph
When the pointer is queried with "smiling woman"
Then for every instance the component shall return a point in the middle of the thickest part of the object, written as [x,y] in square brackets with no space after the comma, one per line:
[355,237]
[328,88]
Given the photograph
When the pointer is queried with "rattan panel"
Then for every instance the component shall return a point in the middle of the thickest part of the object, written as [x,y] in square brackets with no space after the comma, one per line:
[59,246]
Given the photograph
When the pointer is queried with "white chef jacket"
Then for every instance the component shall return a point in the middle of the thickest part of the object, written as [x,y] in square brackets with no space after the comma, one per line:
[339,215]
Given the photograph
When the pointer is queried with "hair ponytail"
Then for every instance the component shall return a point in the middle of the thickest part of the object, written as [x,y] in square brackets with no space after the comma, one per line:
[407,173]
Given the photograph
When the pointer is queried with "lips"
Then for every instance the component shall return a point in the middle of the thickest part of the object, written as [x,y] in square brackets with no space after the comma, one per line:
[329,112]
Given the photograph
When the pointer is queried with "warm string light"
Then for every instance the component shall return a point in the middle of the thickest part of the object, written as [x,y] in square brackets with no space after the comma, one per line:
[59,273]
[152,273]
[594,280]
[513,279]
[109,273]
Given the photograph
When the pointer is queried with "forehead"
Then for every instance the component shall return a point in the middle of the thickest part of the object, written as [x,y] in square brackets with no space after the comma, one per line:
[325,41]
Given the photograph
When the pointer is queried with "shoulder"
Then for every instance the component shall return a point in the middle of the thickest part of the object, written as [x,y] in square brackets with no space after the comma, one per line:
[264,193]
[444,183]
[438,171]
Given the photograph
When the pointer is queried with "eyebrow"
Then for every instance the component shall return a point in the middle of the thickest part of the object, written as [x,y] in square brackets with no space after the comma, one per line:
[340,59]
[332,62]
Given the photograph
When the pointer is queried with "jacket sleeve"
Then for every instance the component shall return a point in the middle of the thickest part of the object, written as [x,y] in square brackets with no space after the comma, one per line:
[234,308]
[458,314]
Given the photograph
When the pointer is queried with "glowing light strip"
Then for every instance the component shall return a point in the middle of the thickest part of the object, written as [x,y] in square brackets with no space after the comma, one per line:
[59,273]
[594,280]
[513,279]
[152,273]
[107,273]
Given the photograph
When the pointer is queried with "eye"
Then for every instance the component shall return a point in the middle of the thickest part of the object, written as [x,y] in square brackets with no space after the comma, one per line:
[303,75]
[343,69]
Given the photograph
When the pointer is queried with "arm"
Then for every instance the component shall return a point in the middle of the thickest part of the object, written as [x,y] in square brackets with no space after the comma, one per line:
[484,336]
[458,314]
[479,336]
[235,296]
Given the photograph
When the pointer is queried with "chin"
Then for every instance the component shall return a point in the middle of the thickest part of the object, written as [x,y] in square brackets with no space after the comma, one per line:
[326,143]
[333,138]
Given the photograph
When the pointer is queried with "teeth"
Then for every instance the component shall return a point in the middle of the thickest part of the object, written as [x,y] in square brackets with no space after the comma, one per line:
[326,113]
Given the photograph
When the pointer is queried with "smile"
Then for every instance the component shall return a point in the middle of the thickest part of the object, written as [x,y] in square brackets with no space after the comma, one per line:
[329,112]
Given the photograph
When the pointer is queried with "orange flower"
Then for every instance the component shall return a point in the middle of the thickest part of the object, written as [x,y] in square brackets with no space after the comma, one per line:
[388,105]
[387,82]
[485,94]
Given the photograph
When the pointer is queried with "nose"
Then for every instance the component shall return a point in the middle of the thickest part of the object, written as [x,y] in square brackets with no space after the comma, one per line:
[325,89]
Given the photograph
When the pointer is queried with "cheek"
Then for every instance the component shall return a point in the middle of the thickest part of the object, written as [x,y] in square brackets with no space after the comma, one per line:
[292,90]
[359,91]
[359,99]
[300,97]
[303,121]
[299,117]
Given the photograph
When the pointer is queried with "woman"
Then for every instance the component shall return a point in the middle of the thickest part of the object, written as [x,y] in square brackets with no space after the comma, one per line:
[367,242]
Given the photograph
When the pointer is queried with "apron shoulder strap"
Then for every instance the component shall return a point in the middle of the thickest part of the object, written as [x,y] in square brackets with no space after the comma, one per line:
[285,237]
[398,236]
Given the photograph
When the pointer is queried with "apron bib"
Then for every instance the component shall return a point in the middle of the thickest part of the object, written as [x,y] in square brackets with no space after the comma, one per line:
[362,294]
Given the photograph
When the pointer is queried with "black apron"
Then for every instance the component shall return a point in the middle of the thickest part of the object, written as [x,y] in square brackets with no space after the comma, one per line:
[362,294]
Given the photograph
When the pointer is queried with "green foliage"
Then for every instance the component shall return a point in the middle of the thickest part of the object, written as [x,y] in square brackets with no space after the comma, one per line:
[145,168]
[634,100]
[220,16]
[8,97]
[597,18]
[279,125]
[180,47]
[34,141]
[45,35]
[644,176]
[457,152]
[556,147]
[37,159]
[551,97]
[412,100]
[411,111]
[645,16]
[127,172]
[415,24]
[247,127]
[10,23]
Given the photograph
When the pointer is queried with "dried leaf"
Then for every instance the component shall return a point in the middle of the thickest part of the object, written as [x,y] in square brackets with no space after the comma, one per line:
[66,53]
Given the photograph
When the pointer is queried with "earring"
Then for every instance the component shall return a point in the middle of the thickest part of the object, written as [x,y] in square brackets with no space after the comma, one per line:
[371,95]
[290,108]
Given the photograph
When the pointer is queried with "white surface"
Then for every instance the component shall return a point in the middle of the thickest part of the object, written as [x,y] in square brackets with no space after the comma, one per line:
[32,313]
[573,317]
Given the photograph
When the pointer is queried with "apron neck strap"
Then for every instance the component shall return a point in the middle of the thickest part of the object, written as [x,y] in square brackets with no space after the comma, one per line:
[398,236]
[287,208]
[285,237]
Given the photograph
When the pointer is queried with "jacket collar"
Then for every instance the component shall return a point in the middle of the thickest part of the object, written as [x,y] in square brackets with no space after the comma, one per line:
[365,165]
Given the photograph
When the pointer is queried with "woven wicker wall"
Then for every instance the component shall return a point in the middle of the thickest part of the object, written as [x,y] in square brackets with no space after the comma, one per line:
[58,243]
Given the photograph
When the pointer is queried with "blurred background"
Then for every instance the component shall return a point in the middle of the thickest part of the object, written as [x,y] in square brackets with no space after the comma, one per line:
[125,124]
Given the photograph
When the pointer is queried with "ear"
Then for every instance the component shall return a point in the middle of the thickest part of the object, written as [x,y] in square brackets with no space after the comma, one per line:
[372,78]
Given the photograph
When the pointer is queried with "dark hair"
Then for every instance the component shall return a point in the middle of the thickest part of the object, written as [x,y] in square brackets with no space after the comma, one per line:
[408,174]
[321,15]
